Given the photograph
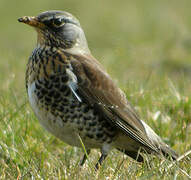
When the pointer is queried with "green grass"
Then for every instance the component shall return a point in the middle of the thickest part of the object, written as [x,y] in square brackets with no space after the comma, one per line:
[144,45]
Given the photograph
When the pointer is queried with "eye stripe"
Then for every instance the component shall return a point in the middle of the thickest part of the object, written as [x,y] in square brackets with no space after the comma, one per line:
[50,20]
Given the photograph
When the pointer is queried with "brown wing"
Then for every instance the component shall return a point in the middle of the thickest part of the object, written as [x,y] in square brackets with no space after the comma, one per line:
[97,88]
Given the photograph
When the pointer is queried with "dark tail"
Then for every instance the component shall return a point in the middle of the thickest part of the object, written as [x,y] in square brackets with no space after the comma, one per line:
[168,152]
[165,150]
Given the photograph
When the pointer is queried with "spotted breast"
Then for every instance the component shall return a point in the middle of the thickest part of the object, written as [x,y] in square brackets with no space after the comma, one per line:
[51,87]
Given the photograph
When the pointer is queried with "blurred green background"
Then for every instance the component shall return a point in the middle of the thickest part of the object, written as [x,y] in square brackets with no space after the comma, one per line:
[133,39]
[144,45]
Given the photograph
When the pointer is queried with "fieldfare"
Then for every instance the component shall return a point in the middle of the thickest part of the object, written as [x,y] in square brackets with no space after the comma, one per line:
[76,100]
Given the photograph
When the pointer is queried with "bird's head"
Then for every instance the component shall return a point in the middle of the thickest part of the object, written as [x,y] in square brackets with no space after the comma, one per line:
[58,29]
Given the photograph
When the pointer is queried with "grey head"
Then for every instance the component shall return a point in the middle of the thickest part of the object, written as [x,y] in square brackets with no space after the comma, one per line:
[58,29]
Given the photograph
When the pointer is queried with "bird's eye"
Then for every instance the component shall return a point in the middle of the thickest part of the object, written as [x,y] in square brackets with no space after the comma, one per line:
[57,22]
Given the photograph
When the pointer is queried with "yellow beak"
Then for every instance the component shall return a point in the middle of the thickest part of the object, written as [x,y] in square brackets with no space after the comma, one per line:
[32,21]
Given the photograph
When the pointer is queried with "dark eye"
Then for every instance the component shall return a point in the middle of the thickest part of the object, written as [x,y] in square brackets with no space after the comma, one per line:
[57,22]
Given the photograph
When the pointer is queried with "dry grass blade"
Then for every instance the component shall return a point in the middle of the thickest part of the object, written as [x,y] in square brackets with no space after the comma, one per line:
[179,159]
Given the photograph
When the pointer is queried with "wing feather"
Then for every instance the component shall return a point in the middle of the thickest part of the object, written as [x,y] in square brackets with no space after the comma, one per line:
[96,87]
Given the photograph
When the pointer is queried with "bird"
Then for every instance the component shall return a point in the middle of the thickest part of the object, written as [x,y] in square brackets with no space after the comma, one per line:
[76,100]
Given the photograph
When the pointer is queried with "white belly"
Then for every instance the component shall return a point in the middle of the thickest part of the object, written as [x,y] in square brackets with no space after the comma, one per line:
[54,125]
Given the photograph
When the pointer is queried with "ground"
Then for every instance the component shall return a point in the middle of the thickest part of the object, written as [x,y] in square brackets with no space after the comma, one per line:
[144,45]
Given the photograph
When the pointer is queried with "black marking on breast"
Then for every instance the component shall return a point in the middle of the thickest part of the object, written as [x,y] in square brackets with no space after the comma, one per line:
[39,95]
[67,116]
[86,109]
[99,128]
[99,135]
[45,71]
[48,85]
[40,64]
[51,93]
[47,60]
[44,91]
[72,105]
[54,105]
[80,115]
[47,99]
[64,79]
[66,110]
[59,69]
[52,77]
[40,54]
[57,85]
[86,118]
[37,86]
[92,123]
[61,59]
[87,128]
[89,135]
[56,95]
[53,66]
[56,79]
[73,117]
[64,88]
[71,111]
[65,101]
[67,91]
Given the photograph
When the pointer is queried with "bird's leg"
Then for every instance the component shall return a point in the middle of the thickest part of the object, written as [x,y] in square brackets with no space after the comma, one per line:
[100,161]
[104,152]
[82,161]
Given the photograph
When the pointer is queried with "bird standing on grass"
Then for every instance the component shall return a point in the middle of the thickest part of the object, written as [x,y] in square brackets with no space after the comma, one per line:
[75,99]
